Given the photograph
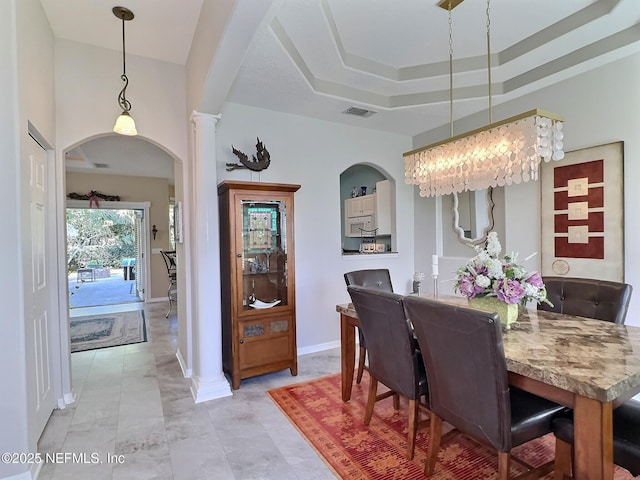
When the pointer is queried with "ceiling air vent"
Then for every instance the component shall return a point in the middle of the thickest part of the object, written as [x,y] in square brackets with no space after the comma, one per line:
[101,165]
[359,112]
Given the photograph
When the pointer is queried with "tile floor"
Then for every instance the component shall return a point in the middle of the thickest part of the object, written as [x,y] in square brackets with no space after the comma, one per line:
[134,410]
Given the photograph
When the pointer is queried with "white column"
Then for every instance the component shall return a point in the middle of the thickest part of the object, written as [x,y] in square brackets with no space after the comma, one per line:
[208,381]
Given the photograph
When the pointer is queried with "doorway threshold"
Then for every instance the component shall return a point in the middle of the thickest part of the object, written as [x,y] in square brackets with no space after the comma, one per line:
[102,309]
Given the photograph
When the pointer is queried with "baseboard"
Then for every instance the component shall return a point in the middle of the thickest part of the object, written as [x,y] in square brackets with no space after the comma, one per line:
[186,372]
[156,300]
[66,400]
[320,347]
[203,391]
[69,398]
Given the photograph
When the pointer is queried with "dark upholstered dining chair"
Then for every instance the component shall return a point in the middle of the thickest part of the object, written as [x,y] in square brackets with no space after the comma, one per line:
[468,382]
[376,279]
[393,358]
[585,297]
[626,440]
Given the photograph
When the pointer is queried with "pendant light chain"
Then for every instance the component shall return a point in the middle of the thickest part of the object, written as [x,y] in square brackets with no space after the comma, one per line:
[489,59]
[122,99]
[450,71]
[124,57]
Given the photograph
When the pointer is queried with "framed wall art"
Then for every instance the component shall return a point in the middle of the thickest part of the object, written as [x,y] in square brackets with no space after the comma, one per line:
[582,214]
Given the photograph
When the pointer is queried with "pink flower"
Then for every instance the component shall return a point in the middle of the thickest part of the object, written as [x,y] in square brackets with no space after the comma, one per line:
[468,287]
[534,279]
[509,291]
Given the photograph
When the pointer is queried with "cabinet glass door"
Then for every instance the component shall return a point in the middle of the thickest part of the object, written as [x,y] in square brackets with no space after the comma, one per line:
[264,254]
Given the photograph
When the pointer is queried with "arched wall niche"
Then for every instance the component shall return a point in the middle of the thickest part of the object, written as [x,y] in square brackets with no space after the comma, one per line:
[363,178]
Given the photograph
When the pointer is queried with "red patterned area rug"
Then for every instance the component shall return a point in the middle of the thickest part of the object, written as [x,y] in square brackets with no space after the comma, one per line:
[353,451]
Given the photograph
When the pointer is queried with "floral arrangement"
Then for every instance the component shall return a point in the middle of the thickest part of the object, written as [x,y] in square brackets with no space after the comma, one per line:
[488,275]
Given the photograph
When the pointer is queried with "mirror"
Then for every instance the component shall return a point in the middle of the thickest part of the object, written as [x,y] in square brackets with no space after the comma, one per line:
[472,213]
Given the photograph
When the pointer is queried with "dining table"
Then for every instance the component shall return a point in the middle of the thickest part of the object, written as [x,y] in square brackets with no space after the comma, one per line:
[589,365]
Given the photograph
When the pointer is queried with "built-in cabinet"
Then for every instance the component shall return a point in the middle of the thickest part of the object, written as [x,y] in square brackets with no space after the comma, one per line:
[257,278]
[369,212]
[361,206]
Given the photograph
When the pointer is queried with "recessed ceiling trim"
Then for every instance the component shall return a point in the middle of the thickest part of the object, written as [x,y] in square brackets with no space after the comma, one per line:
[552,32]
[357,62]
[364,65]
[593,50]
[338,90]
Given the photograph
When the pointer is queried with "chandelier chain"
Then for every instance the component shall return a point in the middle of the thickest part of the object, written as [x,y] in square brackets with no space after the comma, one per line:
[489,59]
[450,70]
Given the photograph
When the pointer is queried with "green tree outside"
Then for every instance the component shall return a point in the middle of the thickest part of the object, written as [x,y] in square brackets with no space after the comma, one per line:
[99,237]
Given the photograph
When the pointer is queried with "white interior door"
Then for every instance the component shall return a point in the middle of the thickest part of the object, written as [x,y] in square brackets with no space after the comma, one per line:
[38,328]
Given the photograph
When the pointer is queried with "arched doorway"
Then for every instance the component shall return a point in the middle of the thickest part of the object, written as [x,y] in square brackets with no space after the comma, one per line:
[132,170]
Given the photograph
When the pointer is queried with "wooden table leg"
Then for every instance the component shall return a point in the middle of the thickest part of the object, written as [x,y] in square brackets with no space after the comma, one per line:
[347,354]
[593,443]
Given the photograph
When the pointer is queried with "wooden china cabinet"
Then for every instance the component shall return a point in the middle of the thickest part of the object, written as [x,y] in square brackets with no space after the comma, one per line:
[257,278]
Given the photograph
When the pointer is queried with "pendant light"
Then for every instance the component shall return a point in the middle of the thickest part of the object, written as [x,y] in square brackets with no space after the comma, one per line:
[501,153]
[124,123]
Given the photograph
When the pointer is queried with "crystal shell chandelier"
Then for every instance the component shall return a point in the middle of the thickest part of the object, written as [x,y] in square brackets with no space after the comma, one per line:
[498,154]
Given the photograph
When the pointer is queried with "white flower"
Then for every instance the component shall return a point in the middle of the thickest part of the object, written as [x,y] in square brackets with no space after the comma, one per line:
[530,290]
[494,266]
[483,281]
[493,244]
[481,259]
[518,271]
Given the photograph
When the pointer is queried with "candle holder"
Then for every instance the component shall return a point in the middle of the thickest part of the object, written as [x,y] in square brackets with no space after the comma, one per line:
[418,277]
[435,286]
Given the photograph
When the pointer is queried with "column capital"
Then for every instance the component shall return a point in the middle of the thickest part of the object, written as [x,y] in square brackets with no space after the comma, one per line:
[198,118]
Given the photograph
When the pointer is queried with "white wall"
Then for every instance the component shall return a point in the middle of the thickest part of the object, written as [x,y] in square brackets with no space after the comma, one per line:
[13,403]
[26,93]
[600,106]
[87,87]
[313,153]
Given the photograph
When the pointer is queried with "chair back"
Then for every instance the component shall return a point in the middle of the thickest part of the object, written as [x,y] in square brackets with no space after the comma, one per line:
[169,257]
[393,359]
[466,368]
[373,278]
[585,297]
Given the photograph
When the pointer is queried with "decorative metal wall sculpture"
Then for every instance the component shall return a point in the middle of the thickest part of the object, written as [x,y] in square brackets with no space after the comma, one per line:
[260,161]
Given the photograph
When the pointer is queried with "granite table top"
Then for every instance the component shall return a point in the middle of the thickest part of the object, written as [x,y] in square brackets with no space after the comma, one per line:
[592,358]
